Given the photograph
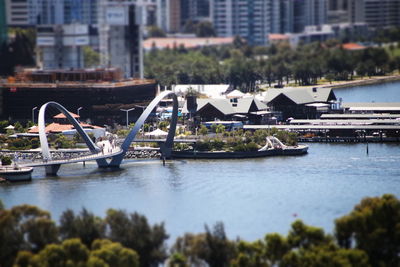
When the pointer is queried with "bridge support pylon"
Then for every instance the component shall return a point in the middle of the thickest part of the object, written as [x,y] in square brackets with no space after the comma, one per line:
[52,169]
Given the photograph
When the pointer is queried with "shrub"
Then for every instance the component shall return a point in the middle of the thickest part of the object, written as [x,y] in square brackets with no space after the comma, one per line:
[5,160]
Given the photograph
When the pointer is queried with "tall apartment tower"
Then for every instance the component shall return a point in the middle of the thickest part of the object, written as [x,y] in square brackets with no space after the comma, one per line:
[376,13]
[296,15]
[17,12]
[169,15]
[338,11]
[120,37]
[252,20]
[195,10]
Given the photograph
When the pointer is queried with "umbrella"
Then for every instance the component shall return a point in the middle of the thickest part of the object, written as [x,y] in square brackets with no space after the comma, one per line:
[9,127]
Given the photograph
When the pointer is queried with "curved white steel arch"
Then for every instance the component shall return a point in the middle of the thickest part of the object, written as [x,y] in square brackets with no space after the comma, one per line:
[43,138]
[166,147]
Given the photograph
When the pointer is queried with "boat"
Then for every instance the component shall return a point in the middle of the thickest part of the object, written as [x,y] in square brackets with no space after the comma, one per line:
[16,173]
[273,147]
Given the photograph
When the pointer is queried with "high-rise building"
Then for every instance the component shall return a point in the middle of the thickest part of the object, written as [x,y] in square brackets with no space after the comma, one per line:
[169,15]
[195,10]
[17,12]
[376,13]
[3,23]
[301,13]
[60,46]
[252,20]
[120,37]
[338,11]
[44,12]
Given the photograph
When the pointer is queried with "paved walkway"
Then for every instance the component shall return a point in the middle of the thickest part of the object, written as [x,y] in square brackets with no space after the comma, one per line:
[108,150]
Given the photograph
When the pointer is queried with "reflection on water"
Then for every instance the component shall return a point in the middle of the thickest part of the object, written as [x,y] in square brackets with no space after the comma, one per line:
[252,197]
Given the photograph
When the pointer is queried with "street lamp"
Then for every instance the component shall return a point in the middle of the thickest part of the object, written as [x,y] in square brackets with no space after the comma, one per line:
[33,114]
[127,118]
[77,112]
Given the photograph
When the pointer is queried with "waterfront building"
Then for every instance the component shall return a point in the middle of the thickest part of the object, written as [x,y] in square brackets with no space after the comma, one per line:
[61,125]
[101,93]
[300,103]
[17,13]
[247,109]
[376,107]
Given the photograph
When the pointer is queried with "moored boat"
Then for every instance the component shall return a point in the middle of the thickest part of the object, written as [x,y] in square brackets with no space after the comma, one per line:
[16,173]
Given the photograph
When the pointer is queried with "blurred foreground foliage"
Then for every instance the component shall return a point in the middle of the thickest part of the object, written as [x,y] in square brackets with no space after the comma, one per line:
[367,236]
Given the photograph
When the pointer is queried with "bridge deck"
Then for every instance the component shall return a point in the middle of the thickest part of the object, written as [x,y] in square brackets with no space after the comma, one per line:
[116,151]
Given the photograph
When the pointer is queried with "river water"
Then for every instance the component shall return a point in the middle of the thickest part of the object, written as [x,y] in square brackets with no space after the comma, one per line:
[252,197]
[386,92]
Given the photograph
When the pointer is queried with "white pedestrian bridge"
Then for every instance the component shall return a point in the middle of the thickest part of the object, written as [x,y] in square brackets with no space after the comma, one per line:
[106,154]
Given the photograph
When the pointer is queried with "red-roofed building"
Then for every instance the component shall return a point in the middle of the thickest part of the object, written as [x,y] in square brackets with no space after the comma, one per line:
[353,46]
[64,127]
[62,116]
[278,37]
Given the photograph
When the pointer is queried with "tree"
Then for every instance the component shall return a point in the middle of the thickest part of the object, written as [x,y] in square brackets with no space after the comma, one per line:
[189,26]
[154,31]
[90,57]
[220,249]
[205,29]
[85,226]
[212,247]
[24,227]
[203,130]
[177,260]
[113,254]
[133,231]
[374,227]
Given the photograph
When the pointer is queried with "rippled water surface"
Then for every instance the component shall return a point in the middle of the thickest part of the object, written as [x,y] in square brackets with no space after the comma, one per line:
[387,92]
[252,197]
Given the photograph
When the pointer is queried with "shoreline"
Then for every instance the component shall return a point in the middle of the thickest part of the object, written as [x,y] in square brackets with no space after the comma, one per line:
[362,82]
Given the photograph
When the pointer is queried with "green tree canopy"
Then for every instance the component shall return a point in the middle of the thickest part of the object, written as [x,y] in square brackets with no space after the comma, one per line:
[374,227]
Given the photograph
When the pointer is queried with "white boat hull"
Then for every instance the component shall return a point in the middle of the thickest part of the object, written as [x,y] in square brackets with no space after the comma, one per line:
[16,174]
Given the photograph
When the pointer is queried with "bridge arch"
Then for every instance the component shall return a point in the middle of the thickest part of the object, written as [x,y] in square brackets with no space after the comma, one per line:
[43,138]
[166,147]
